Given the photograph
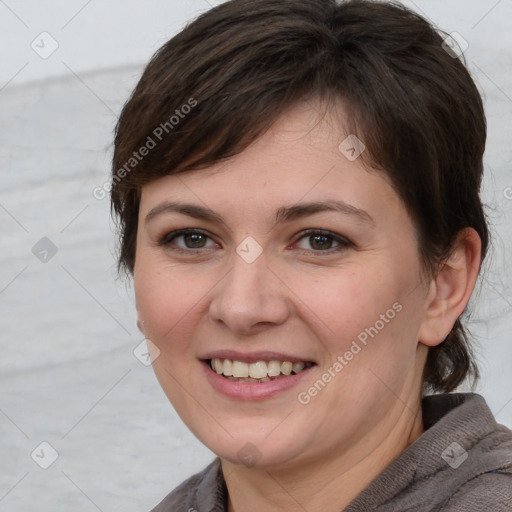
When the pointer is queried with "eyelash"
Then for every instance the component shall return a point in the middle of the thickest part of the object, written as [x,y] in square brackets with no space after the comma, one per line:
[343,242]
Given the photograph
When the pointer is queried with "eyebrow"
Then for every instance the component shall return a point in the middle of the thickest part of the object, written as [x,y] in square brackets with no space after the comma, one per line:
[283,214]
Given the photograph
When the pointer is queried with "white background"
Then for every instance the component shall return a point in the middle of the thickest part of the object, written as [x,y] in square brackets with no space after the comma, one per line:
[68,375]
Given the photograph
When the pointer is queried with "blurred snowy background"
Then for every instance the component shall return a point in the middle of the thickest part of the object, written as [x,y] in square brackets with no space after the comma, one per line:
[68,374]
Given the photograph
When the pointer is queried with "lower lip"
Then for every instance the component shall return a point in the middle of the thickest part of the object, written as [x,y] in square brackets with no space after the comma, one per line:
[252,390]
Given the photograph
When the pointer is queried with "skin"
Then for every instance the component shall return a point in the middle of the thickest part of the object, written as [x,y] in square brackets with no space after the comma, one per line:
[299,299]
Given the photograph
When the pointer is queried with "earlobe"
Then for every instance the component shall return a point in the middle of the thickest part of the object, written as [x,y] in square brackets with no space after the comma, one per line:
[140,323]
[451,288]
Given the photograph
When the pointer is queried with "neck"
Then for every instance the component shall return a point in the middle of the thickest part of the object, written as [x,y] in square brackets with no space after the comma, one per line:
[327,484]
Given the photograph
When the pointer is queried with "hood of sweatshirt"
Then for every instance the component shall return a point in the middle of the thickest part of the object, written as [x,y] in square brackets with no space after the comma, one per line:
[461,463]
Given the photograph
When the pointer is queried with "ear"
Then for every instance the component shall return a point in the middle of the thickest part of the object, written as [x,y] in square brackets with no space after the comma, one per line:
[140,323]
[451,288]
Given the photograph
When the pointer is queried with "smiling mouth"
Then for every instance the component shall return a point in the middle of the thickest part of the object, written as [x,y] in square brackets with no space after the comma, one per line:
[257,372]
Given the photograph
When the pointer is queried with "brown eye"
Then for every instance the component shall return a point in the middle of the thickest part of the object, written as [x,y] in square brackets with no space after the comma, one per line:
[322,241]
[187,240]
[194,240]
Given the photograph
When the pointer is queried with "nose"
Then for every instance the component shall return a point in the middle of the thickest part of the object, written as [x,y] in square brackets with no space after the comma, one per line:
[250,298]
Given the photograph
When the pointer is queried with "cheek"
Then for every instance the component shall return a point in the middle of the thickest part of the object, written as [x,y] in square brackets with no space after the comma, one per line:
[365,313]
[168,300]
[345,302]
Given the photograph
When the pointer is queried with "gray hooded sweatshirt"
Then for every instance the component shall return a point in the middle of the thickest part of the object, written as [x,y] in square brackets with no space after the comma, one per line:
[461,463]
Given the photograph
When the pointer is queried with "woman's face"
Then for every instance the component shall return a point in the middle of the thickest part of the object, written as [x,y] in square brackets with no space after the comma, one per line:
[294,253]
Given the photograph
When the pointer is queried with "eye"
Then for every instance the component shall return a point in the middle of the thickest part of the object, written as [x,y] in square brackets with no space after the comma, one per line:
[187,240]
[193,240]
[322,241]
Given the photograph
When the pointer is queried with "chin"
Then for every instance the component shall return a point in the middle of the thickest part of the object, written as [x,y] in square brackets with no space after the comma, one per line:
[254,449]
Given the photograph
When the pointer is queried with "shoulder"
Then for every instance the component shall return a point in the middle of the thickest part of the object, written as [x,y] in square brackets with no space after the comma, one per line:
[177,499]
[461,463]
[203,491]
[477,459]
[489,491]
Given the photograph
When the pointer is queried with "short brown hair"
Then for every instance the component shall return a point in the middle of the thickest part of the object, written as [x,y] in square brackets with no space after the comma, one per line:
[241,64]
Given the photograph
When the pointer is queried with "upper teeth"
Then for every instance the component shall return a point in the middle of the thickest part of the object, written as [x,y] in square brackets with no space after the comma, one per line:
[257,370]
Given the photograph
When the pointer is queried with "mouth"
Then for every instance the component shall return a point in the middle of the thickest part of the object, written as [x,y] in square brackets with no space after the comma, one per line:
[258,371]
[257,375]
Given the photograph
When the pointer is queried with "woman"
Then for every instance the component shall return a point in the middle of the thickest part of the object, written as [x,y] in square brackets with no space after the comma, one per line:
[297,187]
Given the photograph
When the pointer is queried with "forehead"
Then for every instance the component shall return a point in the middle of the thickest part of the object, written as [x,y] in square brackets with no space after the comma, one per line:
[307,155]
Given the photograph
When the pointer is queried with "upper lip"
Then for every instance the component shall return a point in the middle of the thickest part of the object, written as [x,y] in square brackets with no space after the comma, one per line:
[253,357]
